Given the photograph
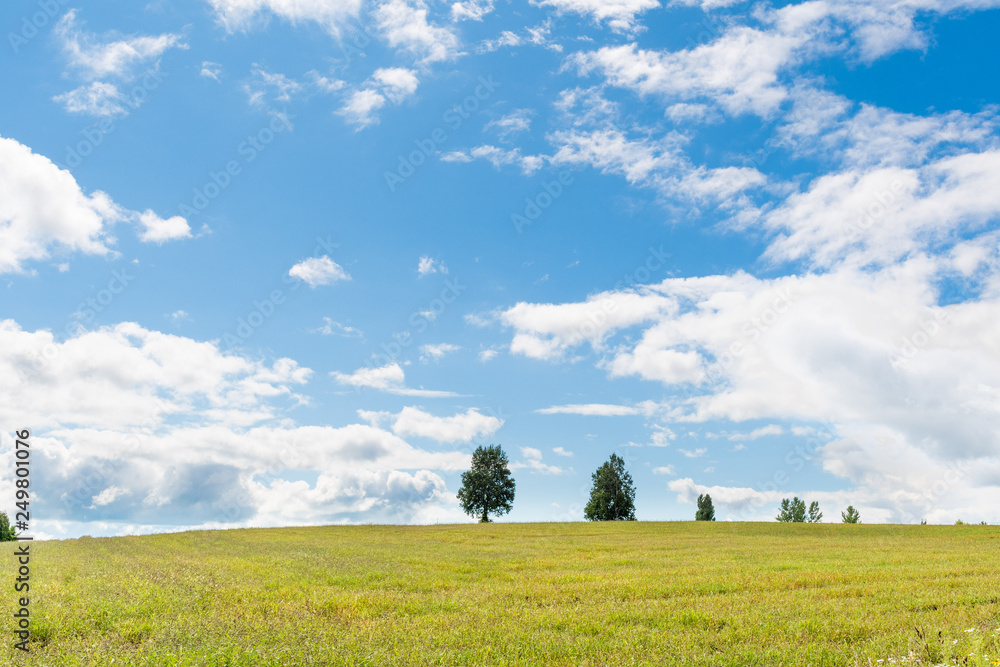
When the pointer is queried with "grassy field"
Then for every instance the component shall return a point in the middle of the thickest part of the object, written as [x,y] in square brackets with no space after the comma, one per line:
[520,594]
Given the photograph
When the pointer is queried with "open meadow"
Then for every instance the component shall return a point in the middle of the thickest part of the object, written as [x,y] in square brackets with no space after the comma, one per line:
[613,593]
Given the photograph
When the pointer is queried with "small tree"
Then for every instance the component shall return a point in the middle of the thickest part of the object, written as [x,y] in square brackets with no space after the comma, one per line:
[851,515]
[488,487]
[7,533]
[613,495]
[814,514]
[792,511]
[706,512]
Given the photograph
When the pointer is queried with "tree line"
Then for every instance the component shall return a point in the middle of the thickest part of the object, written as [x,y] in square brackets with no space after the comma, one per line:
[488,489]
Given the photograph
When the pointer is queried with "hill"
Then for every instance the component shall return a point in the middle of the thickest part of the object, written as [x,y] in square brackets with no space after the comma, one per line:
[636,593]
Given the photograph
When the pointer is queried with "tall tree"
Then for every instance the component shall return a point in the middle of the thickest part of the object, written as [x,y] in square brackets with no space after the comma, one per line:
[613,495]
[851,515]
[706,511]
[814,514]
[488,487]
[7,533]
[792,511]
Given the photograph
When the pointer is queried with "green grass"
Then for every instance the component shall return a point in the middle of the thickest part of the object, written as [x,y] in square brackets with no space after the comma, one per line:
[520,594]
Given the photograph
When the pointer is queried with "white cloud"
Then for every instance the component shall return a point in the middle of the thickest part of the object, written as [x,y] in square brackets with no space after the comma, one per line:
[662,436]
[405,26]
[392,84]
[158,230]
[739,70]
[462,427]
[397,83]
[664,470]
[488,354]
[266,89]
[619,14]
[361,106]
[516,122]
[149,429]
[44,211]
[390,379]
[500,157]
[428,265]
[211,70]
[506,38]
[179,316]
[697,453]
[471,10]
[96,99]
[243,15]
[316,271]
[98,59]
[763,431]
[108,496]
[332,328]
[592,410]
[561,452]
[546,331]
[125,376]
[532,460]
[436,352]
[879,216]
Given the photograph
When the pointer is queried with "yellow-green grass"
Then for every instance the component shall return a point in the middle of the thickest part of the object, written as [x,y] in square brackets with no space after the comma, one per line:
[637,593]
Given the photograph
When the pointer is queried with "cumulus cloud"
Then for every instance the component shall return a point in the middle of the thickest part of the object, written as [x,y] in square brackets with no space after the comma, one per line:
[462,427]
[316,271]
[146,431]
[43,210]
[404,25]
[428,265]
[620,15]
[159,230]
[390,379]
[386,85]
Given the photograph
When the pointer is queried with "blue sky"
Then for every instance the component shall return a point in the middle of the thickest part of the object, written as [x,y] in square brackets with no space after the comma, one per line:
[274,263]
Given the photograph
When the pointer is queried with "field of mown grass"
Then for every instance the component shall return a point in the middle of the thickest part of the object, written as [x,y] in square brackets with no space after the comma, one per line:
[638,593]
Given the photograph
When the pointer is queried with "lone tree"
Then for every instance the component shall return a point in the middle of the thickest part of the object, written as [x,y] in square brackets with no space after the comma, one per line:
[792,511]
[814,514]
[851,515]
[7,533]
[488,488]
[613,495]
[706,511]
